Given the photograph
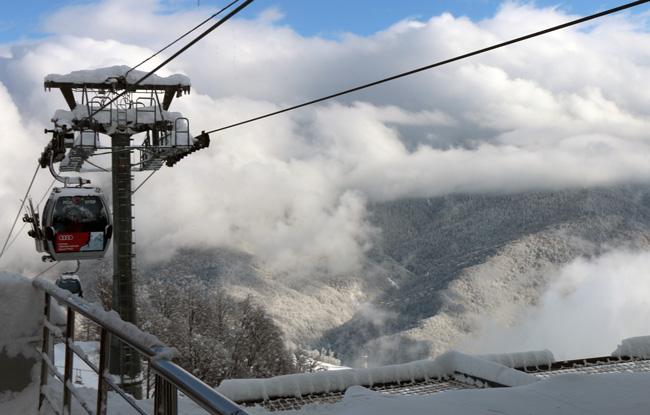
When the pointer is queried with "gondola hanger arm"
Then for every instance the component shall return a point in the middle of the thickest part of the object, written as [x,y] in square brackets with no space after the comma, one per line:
[66,180]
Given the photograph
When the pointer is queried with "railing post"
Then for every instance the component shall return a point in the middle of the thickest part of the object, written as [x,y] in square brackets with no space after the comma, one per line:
[102,386]
[45,349]
[69,362]
[165,398]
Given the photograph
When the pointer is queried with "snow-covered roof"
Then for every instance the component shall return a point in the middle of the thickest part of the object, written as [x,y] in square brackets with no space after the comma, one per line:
[638,347]
[464,372]
[112,74]
[444,366]
[450,371]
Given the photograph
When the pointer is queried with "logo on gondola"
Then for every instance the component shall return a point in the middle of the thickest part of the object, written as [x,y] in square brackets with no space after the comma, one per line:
[65,237]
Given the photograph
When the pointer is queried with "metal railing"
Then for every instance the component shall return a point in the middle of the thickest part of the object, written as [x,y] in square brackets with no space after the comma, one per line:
[169,377]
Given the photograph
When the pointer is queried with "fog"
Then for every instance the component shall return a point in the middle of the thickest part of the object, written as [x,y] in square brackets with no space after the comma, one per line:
[588,307]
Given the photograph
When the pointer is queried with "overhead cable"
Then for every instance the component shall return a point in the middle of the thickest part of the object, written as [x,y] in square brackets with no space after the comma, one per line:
[441,63]
[180,38]
[25,224]
[47,269]
[144,181]
[22,205]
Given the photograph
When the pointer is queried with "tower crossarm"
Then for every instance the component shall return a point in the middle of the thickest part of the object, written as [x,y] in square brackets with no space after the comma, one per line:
[116,79]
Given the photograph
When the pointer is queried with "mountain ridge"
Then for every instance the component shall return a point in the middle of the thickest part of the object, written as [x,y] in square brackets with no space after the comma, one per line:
[416,294]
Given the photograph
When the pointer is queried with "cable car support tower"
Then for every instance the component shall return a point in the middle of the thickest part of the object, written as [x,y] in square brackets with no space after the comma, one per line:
[119,103]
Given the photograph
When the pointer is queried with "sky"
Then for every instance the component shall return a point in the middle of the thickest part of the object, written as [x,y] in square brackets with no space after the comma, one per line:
[569,109]
[324,18]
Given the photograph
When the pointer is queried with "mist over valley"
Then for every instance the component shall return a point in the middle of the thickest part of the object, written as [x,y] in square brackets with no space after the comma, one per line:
[469,271]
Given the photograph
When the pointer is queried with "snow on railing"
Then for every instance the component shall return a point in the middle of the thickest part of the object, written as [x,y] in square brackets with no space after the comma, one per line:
[170,377]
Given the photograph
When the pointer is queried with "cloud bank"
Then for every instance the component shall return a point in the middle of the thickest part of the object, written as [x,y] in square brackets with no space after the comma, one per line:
[588,308]
[564,110]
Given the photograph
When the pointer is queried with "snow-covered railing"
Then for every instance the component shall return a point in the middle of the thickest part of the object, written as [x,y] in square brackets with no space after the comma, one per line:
[170,377]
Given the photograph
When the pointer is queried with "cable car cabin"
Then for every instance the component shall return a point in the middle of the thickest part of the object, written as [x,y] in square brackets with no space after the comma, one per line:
[70,283]
[76,224]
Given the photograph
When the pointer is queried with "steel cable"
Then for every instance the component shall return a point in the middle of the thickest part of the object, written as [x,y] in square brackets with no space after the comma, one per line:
[441,63]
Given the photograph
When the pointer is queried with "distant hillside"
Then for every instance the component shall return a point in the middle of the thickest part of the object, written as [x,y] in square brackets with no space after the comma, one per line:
[468,255]
[436,265]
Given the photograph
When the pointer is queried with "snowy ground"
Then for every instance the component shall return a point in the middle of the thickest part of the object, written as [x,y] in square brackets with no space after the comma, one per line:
[82,375]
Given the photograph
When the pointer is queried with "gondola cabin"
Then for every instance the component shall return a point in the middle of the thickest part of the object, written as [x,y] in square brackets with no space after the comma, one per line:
[70,283]
[76,224]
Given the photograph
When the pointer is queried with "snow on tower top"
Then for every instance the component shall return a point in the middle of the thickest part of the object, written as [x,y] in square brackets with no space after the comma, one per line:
[113,75]
[117,78]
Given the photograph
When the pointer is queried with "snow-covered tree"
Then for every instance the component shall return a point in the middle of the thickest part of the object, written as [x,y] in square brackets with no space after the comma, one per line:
[217,337]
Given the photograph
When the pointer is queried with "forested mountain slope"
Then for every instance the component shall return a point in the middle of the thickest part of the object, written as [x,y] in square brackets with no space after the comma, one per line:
[437,266]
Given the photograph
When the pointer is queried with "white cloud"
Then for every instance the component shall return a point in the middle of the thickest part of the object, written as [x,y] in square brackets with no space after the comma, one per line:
[589,306]
[562,110]
[18,158]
